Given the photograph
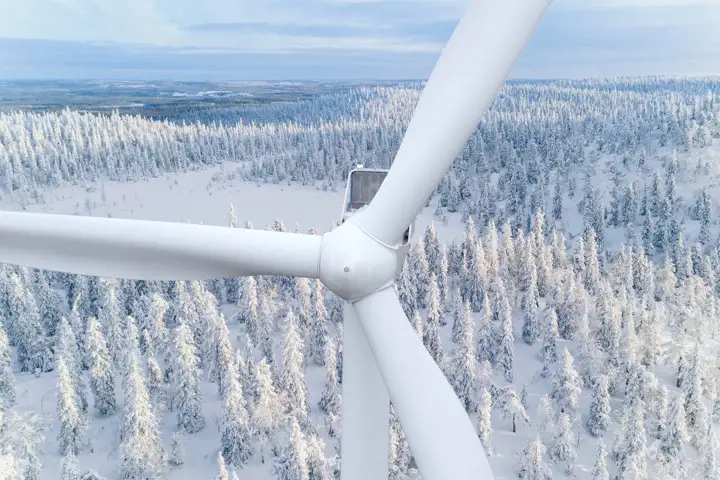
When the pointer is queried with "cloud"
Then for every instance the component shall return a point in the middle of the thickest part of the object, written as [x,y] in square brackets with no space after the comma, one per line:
[340,38]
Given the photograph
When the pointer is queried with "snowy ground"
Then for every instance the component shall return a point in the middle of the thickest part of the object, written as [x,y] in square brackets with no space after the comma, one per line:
[197,197]
[204,197]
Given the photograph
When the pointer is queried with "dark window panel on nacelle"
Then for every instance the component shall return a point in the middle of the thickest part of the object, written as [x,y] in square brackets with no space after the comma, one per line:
[364,185]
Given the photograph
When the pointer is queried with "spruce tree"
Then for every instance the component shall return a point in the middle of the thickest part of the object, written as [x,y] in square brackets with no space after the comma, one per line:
[484,347]
[505,342]
[330,399]
[267,412]
[70,415]
[463,364]
[600,470]
[187,399]
[599,418]
[531,464]
[236,437]
[548,350]
[484,422]
[566,384]
[102,375]
[292,379]
[141,452]
[7,377]
[563,447]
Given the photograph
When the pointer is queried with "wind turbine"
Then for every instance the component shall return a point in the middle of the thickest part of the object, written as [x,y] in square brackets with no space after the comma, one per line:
[358,261]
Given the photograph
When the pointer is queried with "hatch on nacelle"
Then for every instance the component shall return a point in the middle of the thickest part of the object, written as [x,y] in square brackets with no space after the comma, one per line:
[362,185]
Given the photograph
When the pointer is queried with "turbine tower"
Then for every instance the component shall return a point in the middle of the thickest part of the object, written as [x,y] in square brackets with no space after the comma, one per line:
[358,261]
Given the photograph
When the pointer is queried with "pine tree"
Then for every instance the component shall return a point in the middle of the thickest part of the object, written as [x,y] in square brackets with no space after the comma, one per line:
[548,350]
[566,384]
[292,464]
[484,348]
[709,453]
[431,335]
[484,422]
[293,385]
[70,416]
[434,307]
[187,399]
[177,451]
[141,453]
[69,468]
[531,465]
[267,412]
[630,447]
[330,399]
[236,437]
[530,305]
[26,329]
[511,407]
[463,364]
[7,377]
[545,417]
[68,349]
[420,270]
[224,363]
[674,435]
[506,342]
[102,375]
[318,327]
[599,418]
[600,471]
[563,447]
[695,411]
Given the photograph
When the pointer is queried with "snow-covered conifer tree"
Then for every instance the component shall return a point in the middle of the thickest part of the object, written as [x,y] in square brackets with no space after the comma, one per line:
[600,470]
[267,412]
[70,415]
[292,379]
[292,464]
[505,341]
[566,384]
[102,375]
[599,419]
[484,421]
[484,347]
[563,445]
[7,377]
[69,468]
[548,350]
[187,399]
[330,399]
[463,365]
[236,437]
[511,407]
[141,452]
[531,464]
[67,347]
[318,335]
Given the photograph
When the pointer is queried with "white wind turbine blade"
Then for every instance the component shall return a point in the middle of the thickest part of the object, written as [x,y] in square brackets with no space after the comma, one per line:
[138,249]
[471,69]
[439,431]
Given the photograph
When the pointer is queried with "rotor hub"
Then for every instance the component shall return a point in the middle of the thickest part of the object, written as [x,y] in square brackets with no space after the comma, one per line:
[354,264]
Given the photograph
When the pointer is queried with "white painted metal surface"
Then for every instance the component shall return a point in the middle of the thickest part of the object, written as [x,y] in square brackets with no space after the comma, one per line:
[439,431]
[365,408]
[358,260]
[147,250]
[472,68]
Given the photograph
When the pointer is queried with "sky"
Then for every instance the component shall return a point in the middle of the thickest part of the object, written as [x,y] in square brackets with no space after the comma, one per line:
[338,39]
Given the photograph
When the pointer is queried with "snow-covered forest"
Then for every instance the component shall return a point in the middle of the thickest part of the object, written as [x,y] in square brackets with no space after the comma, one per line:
[576,313]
